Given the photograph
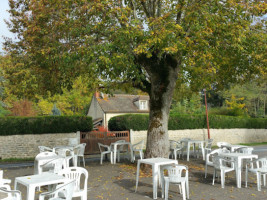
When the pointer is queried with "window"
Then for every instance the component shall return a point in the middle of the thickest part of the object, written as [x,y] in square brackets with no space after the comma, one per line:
[143,105]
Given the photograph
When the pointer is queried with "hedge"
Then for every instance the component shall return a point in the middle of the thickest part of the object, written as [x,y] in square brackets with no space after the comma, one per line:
[44,124]
[180,122]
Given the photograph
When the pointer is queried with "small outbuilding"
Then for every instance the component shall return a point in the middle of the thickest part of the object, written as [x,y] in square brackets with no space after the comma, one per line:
[103,106]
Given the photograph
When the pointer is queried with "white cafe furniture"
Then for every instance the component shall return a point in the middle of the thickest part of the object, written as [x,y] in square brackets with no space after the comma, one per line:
[238,158]
[11,194]
[156,163]
[190,142]
[232,147]
[224,165]
[178,175]
[62,192]
[76,174]
[258,167]
[43,158]
[33,181]
[105,149]
[120,144]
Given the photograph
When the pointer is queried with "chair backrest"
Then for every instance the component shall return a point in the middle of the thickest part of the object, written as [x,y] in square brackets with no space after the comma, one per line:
[174,144]
[79,149]
[219,144]
[44,154]
[73,141]
[103,147]
[44,149]
[209,143]
[75,173]
[176,172]
[11,194]
[120,141]
[54,165]
[262,163]
[245,150]
[65,191]
[139,145]
[215,152]
[63,152]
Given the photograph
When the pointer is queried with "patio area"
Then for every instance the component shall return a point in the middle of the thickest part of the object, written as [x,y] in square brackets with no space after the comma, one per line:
[117,182]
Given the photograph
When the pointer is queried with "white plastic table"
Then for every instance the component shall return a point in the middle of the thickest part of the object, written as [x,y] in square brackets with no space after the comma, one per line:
[155,163]
[31,182]
[233,147]
[115,147]
[238,157]
[42,160]
[194,142]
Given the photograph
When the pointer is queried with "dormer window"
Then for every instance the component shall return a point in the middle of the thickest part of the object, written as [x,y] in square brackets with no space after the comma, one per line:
[143,105]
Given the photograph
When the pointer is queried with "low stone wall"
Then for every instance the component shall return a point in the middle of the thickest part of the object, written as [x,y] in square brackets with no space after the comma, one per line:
[233,136]
[26,146]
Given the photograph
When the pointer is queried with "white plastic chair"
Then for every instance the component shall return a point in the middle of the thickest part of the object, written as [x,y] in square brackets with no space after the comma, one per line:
[11,194]
[77,174]
[222,144]
[208,146]
[53,166]
[67,154]
[79,153]
[62,192]
[258,167]
[208,159]
[44,149]
[105,149]
[177,174]
[175,148]
[4,182]
[184,145]
[246,150]
[222,164]
[138,147]
[120,149]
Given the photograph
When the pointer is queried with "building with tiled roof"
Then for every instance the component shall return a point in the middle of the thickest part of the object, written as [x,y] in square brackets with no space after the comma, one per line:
[104,106]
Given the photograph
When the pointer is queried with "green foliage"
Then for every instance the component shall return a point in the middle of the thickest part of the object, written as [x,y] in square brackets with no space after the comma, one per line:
[46,124]
[180,122]
[189,106]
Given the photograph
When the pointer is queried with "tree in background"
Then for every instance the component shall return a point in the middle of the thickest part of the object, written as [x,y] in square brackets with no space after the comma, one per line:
[149,44]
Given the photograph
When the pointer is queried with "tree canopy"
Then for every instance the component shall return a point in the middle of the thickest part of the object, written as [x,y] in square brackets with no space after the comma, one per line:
[150,43]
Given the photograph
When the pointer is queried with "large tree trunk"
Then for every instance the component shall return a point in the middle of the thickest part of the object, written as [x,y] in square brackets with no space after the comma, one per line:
[163,76]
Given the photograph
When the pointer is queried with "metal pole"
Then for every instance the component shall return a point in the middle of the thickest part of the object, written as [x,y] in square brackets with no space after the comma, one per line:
[207,114]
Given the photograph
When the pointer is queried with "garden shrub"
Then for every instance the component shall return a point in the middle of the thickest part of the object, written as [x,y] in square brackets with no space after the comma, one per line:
[44,124]
[180,122]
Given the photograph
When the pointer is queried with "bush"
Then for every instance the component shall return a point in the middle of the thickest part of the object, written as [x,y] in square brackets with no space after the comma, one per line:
[180,122]
[45,124]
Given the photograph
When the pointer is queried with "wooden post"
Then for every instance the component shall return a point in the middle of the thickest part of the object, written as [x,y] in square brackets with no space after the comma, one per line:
[207,114]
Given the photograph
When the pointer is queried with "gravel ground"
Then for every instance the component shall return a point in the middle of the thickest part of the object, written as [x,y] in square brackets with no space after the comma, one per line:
[117,182]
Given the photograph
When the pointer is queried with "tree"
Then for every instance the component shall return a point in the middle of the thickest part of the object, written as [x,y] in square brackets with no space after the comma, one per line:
[149,43]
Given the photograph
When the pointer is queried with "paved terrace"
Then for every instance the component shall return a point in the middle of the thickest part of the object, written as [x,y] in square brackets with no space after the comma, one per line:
[117,182]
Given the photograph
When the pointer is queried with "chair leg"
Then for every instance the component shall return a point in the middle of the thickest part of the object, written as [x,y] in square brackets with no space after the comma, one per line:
[183,190]
[206,169]
[222,178]
[214,173]
[101,158]
[83,162]
[246,177]
[166,189]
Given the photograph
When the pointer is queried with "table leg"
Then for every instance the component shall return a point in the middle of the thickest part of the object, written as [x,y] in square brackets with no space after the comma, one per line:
[238,172]
[155,180]
[115,153]
[137,175]
[188,151]
[132,157]
[30,192]
[203,150]
[259,181]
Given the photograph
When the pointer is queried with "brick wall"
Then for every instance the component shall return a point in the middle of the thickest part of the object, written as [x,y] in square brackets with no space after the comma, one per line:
[26,146]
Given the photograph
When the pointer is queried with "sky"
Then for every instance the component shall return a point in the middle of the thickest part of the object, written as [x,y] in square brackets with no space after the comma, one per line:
[3,27]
